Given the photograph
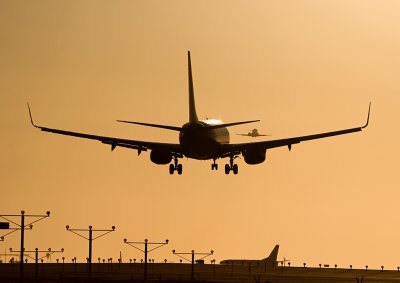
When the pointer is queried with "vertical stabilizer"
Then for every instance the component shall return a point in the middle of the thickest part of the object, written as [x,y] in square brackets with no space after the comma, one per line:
[273,256]
[192,105]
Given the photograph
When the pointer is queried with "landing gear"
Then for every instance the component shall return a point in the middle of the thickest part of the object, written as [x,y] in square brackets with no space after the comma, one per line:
[231,166]
[175,166]
[214,165]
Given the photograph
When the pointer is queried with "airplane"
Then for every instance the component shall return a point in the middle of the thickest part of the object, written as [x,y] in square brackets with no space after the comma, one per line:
[269,261]
[199,139]
[253,133]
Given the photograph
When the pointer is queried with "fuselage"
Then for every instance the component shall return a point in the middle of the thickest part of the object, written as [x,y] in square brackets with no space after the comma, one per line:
[198,142]
[243,261]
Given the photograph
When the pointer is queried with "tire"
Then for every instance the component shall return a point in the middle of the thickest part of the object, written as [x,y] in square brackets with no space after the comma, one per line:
[171,169]
[227,169]
[179,169]
[235,169]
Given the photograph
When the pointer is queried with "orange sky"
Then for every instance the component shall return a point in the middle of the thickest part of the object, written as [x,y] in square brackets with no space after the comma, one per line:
[300,66]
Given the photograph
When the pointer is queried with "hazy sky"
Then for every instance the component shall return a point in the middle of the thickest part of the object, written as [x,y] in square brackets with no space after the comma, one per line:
[302,67]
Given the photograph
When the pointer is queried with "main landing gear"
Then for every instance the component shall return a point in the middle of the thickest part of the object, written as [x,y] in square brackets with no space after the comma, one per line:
[175,166]
[231,166]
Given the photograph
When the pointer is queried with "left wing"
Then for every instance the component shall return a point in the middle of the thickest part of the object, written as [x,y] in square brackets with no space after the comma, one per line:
[234,149]
[114,142]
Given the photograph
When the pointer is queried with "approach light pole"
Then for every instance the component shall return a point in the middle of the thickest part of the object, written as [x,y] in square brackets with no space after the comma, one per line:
[90,239]
[49,251]
[22,227]
[193,253]
[146,250]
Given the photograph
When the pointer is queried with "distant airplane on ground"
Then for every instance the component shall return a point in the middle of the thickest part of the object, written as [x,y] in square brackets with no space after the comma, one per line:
[269,261]
[202,140]
[253,133]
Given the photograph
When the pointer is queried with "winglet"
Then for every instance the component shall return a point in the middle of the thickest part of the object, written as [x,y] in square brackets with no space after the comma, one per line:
[30,115]
[369,110]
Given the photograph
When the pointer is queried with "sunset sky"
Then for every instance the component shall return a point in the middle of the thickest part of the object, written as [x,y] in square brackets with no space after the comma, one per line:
[301,67]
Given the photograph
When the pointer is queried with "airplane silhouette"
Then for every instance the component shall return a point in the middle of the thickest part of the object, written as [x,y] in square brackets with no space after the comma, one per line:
[253,133]
[200,139]
[269,261]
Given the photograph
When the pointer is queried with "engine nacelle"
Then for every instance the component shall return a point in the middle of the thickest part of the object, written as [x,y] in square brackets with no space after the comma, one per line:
[160,156]
[254,156]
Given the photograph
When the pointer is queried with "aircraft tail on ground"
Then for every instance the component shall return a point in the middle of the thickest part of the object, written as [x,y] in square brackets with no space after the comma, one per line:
[271,259]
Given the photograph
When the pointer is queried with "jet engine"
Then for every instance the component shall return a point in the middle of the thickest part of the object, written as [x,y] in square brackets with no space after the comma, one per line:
[254,156]
[160,156]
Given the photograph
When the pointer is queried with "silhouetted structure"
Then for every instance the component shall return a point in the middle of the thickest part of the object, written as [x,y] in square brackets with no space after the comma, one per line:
[22,227]
[146,250]
[193,253]
[90,239]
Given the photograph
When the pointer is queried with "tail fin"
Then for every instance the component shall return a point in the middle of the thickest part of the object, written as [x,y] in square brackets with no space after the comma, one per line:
[192,106]
[271,259]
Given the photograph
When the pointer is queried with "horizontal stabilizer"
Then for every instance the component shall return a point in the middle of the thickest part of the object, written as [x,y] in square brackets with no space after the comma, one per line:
[153,125]
[229,125]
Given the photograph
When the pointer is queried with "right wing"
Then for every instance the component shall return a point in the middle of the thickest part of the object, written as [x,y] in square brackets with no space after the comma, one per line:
[240,148]
[114,142]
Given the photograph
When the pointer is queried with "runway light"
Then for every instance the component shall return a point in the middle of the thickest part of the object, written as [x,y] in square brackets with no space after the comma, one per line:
[67,227]
[48,213]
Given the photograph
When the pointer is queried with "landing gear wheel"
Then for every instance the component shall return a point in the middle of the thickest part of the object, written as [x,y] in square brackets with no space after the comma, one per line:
[227,169]
[179,169]
[235,169]
[171,169]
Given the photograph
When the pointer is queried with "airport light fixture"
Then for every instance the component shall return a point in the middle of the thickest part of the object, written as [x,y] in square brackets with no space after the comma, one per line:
[146,250]
[22,227]
[90,238]
[193,253]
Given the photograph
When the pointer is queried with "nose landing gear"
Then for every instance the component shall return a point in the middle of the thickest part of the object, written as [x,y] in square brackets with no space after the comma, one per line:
[214,165]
